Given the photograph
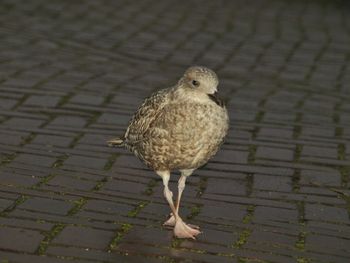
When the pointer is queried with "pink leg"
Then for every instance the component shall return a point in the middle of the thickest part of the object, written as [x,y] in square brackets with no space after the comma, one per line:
[181,229]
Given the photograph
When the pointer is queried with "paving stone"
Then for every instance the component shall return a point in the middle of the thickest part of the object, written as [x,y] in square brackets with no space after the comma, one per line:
[25,240]
[119,120]
[46,205]
[275,133]
[7,103]
[69,121]
[262,213]
[331,153]
[229,211]
[35,160]
[87,99]
[71,182]
[52,140]
[84,237]
[330,177]
[84,161]
[326,213]
[25,223]
[7,178]
[274,153]
[118,185]
[108,207]
[23,123]
[42,101]
[5,203]
[272,183]
[231,156]
[225,187]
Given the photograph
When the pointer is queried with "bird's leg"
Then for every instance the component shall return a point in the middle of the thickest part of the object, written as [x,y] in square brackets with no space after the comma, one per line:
[181,187]
[181,229]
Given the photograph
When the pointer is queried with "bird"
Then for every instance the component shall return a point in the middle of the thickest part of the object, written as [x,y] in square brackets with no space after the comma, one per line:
[178,128]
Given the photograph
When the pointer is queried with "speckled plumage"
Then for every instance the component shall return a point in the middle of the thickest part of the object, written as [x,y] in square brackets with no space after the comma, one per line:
[174,130]
[179,128]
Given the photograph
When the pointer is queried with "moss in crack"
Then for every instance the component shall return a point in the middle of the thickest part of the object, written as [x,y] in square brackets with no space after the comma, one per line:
[301,213]
[110,161]
[76,140]
[300,243]
[44,181]
[344,174]
[297,152]
[7,158]
[243,238]
[78,204]
[250,213]
[100,183]
[195,210]
[17,202]
[303,260]
[251,153]
[27,139]
[125,228]
[138,208]
[202,186]
[249,184]
[49,236]
[150,186]
[60,160]
[296,180]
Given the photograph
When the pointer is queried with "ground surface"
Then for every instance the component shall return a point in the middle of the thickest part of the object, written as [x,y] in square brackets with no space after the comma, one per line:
[73,72]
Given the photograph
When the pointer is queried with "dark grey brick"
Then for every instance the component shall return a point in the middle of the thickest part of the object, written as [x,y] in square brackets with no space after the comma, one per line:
[52,140]
[24,240]
[69,121]
[42,101]
[272,183]
[84,161]
[46,205]
[326,213]
[274,153]
[35,160]
[87,99]
[84,237]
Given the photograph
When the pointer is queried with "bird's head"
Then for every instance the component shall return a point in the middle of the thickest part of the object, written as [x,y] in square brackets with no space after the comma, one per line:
[200,79]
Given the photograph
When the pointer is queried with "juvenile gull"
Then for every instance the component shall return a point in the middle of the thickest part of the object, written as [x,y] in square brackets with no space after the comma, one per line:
[178,128]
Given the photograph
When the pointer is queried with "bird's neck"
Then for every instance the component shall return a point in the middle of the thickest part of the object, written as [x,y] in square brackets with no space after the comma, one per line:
[185,94]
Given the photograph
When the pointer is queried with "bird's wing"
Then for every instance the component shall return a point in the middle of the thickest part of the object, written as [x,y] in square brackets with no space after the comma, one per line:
[146,115]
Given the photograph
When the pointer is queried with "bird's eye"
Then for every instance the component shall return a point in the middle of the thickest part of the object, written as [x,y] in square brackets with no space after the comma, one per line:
[195,83]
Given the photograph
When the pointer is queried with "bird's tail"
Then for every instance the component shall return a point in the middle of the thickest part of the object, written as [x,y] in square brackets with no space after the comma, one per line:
[116,142]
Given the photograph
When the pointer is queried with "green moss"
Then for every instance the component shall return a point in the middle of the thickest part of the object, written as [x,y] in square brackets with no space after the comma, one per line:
[243,238]
[17,202]
[251,153]
[110,161]
[55,230]
[78,204]
[138,208]
[7,158]
[250,213]
[202,186]
[44,181]
[150,186]
[100,183]
[303,260]
[300,244]
[195,210]
[60,160]
[125,228]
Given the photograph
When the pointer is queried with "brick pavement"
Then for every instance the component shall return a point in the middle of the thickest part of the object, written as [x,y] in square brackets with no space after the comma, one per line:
[72,73]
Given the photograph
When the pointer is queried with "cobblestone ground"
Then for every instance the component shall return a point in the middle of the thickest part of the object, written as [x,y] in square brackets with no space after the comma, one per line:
[73,72]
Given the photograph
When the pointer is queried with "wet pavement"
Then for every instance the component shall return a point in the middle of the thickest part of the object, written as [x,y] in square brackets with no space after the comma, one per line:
[73,72]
